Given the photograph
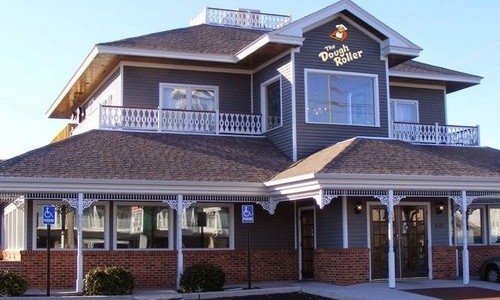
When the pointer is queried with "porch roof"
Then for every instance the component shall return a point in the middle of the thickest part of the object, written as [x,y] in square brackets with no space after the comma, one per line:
[100,154]
[392,157]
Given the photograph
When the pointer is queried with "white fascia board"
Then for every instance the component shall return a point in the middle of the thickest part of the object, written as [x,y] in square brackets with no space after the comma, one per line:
[84,65]
[413,182]
[266,39]
[438,77]
[388,48]
[165,54]
[62,185]
[395,39]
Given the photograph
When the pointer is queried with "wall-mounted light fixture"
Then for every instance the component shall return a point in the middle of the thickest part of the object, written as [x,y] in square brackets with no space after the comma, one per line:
[358,208]
[440,208]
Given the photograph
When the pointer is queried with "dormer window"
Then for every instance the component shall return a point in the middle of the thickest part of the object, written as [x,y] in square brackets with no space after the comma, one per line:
[341,98]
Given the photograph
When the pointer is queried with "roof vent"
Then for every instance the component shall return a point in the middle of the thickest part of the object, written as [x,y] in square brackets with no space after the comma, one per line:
[241,17]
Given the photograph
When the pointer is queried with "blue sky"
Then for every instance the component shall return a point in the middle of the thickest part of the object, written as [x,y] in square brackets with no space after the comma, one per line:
[44,42]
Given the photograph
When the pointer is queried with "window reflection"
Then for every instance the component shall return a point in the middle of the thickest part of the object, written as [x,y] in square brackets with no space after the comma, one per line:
[205,227]
[142,227]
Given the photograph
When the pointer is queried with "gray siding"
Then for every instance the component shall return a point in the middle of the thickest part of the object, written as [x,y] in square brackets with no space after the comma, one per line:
[329,225]
[356,223]
[440,223]
[312,137]
[282,136]
[142,87]
[269,231]
[431,102]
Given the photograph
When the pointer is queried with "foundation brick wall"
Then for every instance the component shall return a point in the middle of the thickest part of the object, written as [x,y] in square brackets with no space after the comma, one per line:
[476,256]
[153,269]
[267,265]
[443,262]
[150,268]
[342,266]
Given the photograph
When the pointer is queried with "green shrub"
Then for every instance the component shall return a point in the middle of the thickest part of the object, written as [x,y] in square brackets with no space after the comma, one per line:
[202,277]
[12,284]
[108,281]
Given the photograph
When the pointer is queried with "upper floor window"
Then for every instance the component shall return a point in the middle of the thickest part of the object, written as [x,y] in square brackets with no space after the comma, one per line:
[271,103]
[341,98]
[405,111]
[188,97]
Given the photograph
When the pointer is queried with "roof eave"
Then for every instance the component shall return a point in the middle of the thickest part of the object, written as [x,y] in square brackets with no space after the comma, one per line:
[265,40]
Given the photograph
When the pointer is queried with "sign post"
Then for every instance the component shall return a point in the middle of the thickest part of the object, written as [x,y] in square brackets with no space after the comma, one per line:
[247,217]
[49,213]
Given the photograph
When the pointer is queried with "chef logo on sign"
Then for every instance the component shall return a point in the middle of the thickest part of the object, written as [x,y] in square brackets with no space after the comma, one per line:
[340,34]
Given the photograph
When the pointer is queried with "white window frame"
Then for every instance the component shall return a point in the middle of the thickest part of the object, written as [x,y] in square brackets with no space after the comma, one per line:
[329,72]
[231,225]
[484,225]
[171,228]
[13,228]
[263,101]
[189,88]
[489,223]
[60,202]
[408,101]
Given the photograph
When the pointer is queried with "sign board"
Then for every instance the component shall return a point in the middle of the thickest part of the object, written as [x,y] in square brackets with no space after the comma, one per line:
[247,214]
[49,215]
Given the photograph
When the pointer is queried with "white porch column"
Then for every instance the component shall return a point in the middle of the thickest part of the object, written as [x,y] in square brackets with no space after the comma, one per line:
[390,233]
[79,204]
[345,227]
[180,257]
[465,252]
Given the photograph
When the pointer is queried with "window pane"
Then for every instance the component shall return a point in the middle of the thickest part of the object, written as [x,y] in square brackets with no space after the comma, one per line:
[174,98]
[273,105]
[405,112]
[494,225]
[340,99]
[205,227]
[142,227]
[203,99]
[64,232]
[474,228]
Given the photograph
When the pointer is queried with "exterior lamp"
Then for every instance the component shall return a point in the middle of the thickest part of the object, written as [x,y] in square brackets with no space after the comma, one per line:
[358,208]
[440,208]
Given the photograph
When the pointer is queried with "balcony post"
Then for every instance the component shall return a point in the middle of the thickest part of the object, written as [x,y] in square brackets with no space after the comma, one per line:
[159,119]
[217,120]
[478,135]
[436,128]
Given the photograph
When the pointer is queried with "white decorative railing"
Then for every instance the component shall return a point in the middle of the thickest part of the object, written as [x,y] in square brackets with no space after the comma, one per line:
[436,134]
[246,18]
[171,120]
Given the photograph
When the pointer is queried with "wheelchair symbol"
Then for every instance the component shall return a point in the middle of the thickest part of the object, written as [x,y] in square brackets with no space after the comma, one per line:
[247,213]
[47,214]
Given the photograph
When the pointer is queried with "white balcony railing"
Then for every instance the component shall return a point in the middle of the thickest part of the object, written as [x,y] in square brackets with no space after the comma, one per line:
[436,134]
[171,120]
[246,18]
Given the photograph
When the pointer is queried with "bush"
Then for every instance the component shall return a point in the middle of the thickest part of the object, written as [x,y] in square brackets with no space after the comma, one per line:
[202,277]
[108,281]
[12,284]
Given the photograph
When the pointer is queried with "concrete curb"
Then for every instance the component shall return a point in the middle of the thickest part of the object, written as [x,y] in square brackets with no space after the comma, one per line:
[242,292]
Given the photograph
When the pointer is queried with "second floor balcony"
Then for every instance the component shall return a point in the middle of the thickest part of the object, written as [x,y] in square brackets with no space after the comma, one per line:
[214,122]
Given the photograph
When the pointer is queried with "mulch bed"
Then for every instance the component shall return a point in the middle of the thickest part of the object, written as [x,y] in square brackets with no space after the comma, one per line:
[458,293]
[287,296]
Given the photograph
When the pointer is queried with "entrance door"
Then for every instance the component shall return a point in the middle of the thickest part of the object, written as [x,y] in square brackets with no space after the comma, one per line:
[307,243]
[410,241]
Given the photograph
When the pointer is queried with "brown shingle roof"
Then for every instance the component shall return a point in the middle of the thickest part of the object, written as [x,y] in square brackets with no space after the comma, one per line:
[202,39]
[385,157]
[417,67]
[151,156]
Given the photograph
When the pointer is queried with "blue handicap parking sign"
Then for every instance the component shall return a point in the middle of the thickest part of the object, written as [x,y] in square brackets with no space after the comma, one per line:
[247,214]
[49,215]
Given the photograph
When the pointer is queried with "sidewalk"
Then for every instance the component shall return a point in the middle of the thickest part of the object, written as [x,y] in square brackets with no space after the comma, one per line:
[364,291]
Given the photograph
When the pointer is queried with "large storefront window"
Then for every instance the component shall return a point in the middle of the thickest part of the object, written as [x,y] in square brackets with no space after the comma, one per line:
[341,98]
[206,227]
[474,226]
[142,227]
[494,220]
[64,232]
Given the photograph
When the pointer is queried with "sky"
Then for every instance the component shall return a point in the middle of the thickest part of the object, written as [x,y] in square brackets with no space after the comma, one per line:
[44,42]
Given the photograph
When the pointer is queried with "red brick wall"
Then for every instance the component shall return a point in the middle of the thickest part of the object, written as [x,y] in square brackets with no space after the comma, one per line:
[476,256]
[342,266]
[267,265]
[443,262]
[153,269]
[149,268]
